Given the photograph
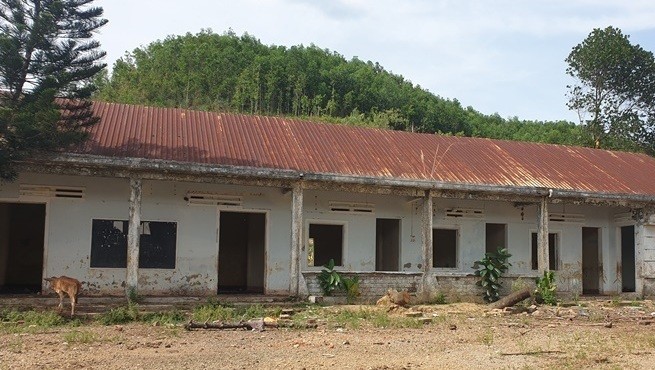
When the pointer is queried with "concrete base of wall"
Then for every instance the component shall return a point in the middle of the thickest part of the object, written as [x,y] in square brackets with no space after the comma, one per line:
[454,288]
[648,288]
[372,285]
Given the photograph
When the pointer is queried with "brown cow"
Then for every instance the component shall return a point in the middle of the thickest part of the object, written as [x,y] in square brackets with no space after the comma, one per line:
[68,285]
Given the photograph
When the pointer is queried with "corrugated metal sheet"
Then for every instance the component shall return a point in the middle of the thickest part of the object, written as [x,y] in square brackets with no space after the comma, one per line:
[283,143]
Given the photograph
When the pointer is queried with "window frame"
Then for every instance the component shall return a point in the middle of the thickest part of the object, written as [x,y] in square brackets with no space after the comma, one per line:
[141,229]
[456,229]
[344,242]
[505,235]
[534,257]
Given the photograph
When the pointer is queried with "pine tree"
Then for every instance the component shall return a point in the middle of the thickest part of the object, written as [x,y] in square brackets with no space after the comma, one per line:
[48,59]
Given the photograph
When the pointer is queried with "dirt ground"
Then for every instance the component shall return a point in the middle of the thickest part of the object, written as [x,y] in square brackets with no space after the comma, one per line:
[594,334]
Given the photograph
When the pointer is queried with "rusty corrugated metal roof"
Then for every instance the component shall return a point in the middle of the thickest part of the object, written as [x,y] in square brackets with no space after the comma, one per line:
[291,144]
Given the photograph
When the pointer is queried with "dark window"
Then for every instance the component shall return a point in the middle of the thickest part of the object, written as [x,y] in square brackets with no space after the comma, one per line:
[553,252]
[157,244]
[444,248]
[495,237]
[109,243]
[325,243]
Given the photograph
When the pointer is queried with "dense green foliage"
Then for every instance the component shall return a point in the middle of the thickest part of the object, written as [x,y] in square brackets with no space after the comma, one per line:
[546,291]
[489,270]
[46,52]
[234,73]
[329,279]
[615,90]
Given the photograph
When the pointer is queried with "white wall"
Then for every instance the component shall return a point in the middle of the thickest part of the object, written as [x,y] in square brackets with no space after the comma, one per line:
[68,238]
[68,234]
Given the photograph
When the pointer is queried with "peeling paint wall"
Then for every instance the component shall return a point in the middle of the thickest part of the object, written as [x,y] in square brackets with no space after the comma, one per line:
[68,240]
[359,249]
[68,234]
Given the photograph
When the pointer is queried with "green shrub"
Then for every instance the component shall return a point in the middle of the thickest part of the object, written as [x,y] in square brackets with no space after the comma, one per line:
[490,269]
[351,286]
[120,315]
[546,289]
[439,298]
[329,279]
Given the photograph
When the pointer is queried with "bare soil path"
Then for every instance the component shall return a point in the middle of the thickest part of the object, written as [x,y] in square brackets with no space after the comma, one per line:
[460,336]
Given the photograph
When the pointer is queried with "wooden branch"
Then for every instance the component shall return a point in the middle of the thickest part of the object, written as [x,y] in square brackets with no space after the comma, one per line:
[254,324]
[530,353]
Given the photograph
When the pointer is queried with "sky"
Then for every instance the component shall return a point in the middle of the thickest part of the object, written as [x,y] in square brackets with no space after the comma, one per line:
[500,56]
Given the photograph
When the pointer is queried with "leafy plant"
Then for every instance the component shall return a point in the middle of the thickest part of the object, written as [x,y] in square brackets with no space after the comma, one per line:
[351,286]
[439,298]
[546,288]
[329,279]
[490,269]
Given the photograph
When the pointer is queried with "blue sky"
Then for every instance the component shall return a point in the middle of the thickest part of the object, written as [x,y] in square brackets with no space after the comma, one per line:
[502,56]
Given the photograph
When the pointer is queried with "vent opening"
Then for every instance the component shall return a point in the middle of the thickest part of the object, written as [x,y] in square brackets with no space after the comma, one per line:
[214,199]
[352,207]
[565,217]
[47,191]
[464,213]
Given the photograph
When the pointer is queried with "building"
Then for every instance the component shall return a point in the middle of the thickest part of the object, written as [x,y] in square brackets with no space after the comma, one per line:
[178,202]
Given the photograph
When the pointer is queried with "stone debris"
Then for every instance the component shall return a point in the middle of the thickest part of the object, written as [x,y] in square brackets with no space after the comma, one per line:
[394,297]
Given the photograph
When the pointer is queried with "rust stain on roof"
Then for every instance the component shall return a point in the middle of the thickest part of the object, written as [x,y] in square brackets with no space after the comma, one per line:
[291,144]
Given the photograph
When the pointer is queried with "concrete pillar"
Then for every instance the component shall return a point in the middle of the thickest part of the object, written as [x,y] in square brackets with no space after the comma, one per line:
[542,237]
[645,253]
[133,236]
[296,238]
[426,227]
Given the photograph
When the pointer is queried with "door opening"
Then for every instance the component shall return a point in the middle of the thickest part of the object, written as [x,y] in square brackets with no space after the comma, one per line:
[591,265]
[387,244]
[22,232]
[628,259]
[241,252]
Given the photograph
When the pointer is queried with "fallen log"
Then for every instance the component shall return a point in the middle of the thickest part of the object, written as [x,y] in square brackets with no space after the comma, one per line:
[530,353]
[254,324]
[250,325]
[512,299]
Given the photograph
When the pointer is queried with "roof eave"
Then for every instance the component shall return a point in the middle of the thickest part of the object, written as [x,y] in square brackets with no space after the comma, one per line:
[85,163]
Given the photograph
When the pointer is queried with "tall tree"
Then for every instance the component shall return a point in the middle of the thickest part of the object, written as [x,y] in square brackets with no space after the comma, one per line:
[615,91]
[48,60]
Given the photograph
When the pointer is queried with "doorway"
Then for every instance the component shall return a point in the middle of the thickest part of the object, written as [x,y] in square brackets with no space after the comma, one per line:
[241,252]
[628,259]
[591,265]
[387,244]
[22,233]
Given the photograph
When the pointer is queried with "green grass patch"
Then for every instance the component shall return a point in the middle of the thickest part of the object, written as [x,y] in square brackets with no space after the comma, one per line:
[40,319]
[166,318]
[79,336]
[120,315]
[215,311]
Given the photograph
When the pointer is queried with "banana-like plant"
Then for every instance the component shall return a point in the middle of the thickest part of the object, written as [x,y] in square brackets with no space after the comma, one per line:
[489,270]
[329,279]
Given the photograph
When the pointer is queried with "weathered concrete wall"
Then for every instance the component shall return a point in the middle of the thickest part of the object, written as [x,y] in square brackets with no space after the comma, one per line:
[68,240]
[373,285]
[359,245]
[68,236]
[454,287]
